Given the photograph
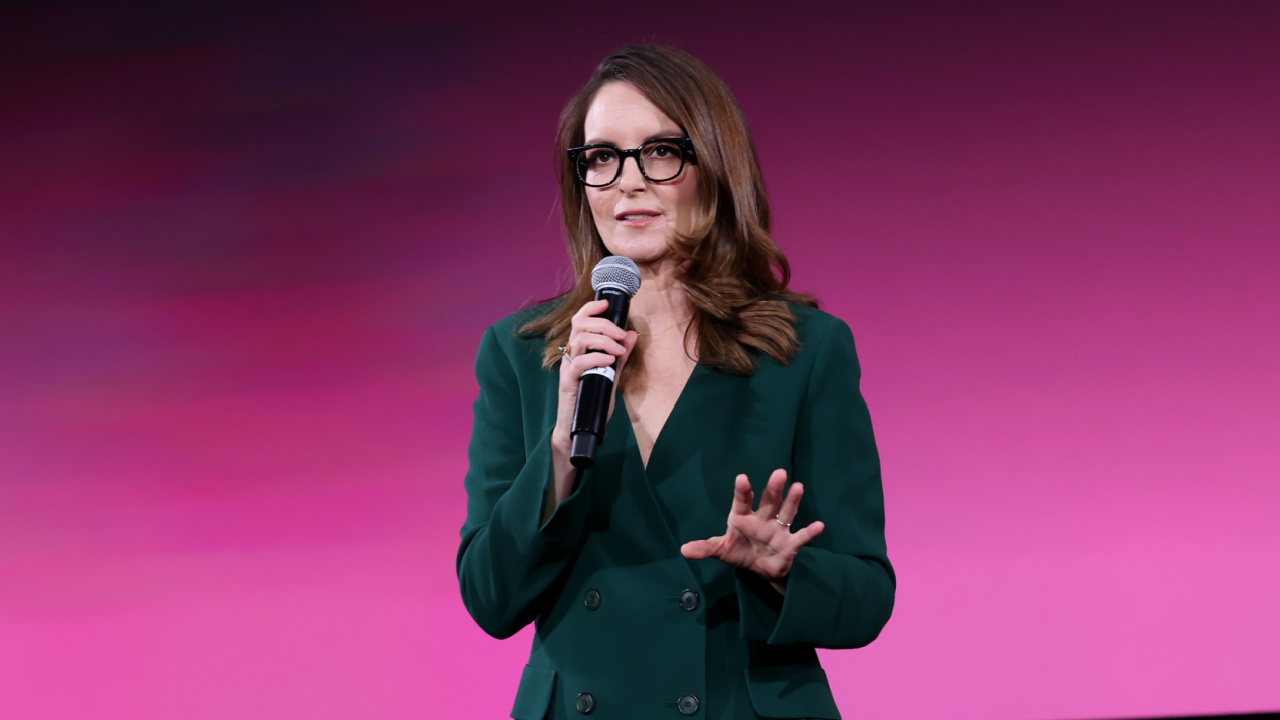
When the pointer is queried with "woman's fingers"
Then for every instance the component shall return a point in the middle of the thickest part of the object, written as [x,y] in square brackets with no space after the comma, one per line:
[571,370]
[585,342]
[588,332]
[742,496]
[629,340]
[628,344]
[791,504]
[587,320]
[754,539]
[772,495]
[699,549]
[585,361]
[598,325]
[802,536]
[590,308]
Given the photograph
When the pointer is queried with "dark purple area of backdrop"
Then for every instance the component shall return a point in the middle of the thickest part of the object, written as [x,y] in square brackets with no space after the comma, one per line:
[246,254]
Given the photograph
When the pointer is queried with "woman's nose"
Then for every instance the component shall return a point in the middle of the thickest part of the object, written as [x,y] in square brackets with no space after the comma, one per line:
[631,178]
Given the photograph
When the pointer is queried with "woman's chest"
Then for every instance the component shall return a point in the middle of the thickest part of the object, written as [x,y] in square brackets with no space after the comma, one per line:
[651,398]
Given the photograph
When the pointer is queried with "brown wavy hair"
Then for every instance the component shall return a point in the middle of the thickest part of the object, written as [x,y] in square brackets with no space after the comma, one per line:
[735,275]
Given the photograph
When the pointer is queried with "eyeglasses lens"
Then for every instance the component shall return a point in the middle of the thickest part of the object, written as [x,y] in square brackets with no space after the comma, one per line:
[598,166]
[662,161]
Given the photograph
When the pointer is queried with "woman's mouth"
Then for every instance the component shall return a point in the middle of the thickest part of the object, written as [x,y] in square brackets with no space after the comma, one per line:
[636,219]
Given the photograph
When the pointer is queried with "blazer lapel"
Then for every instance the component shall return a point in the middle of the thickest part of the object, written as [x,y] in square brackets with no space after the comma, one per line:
[693,497]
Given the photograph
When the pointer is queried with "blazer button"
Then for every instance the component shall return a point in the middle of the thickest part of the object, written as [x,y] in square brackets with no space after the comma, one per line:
[592,601]
[586,703]
[687,704]
[689,601]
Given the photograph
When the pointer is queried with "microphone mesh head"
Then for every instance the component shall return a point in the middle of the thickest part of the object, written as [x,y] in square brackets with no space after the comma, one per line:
[617,271]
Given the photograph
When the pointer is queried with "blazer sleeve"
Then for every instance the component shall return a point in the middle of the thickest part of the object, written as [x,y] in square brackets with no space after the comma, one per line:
[508,560]
[840,589]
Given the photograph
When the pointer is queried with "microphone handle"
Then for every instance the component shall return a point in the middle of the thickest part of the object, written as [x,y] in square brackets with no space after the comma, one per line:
[595,388]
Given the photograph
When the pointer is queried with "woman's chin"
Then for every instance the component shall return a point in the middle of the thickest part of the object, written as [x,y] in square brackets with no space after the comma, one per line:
[644,251]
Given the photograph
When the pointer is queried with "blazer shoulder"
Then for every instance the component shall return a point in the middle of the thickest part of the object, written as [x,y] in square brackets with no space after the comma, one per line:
[813,325]
[505,335]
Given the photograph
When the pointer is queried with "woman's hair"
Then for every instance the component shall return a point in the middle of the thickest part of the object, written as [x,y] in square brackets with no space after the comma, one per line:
[736,277]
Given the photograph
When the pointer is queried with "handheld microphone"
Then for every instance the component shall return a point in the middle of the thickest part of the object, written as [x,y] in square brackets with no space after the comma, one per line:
[615,279]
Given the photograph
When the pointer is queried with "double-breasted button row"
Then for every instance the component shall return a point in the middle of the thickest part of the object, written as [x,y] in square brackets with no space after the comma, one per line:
[586,702]
[689,599]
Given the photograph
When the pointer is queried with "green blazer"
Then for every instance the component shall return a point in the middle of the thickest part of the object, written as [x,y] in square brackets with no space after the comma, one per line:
[626,626]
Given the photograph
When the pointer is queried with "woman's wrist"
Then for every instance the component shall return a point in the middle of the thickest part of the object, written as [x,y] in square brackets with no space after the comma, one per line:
[561,449]
[562,472]
[561,441]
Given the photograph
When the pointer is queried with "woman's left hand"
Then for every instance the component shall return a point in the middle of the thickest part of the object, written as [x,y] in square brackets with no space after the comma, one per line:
[759,541]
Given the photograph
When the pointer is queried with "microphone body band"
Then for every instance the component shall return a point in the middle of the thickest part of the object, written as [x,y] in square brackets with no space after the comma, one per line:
[596,387]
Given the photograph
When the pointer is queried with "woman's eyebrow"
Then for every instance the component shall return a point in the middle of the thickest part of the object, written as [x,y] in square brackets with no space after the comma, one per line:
[677,133]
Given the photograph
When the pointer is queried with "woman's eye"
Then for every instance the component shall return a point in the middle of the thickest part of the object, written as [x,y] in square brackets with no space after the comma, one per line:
[601,157]
[660,152]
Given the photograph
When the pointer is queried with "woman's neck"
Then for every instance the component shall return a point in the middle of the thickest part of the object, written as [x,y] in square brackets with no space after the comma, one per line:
[661,306]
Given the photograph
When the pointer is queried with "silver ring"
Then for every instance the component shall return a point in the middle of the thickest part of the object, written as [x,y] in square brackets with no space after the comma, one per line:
[779,521]
[564,350]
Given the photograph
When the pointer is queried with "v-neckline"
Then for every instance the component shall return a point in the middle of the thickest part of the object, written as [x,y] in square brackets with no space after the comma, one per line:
[634,442]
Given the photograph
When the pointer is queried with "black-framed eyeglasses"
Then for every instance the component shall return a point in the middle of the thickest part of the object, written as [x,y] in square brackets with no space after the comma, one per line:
[659,160]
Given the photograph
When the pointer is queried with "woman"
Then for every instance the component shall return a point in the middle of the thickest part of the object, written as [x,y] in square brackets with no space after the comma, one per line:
[648,603]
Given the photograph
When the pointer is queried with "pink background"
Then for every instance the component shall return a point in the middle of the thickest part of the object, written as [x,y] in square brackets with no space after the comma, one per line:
[247,256]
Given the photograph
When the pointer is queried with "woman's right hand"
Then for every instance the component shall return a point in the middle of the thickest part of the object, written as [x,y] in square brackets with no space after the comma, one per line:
[586,333]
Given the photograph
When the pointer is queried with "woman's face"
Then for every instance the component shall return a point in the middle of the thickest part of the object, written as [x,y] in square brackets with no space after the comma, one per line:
[635,217]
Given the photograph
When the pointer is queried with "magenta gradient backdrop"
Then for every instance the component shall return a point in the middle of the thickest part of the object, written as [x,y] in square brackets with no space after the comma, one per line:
[248,254]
